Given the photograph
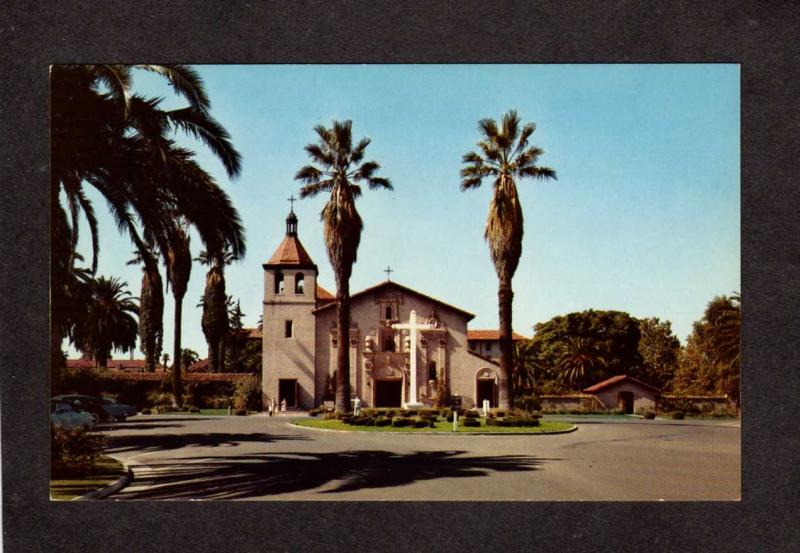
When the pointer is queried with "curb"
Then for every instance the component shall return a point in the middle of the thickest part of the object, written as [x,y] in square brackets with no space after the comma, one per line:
[573,428]
[114,487]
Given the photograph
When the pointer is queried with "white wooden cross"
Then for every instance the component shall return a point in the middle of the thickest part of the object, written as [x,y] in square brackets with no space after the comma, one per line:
[412,328]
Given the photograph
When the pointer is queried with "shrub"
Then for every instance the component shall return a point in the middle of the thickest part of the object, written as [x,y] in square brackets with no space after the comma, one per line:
[240,412]
[401,422]
[500,413]
[73,451]
[471,422]
[158,399]
[247,394]
[419,423]
[649,415]
[382,421]
[528,403]
[677,415]
[145,411]
[471,415]
[314,412]
[427,411]
[410,412]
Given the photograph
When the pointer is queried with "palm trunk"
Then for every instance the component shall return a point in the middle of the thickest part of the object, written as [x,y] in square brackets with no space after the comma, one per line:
[177,387]
[505,297]
[343,347]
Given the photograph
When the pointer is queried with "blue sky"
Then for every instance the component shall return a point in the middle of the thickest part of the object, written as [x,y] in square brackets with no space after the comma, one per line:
[644,216]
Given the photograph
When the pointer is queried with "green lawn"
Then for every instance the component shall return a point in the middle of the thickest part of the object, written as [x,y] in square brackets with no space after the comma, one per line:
[545,427]
[108,470]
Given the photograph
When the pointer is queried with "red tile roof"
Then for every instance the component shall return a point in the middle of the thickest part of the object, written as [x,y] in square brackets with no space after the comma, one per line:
[323,295]
[388,284]
[122,364]
[491,335]
[614,380]
[290,252]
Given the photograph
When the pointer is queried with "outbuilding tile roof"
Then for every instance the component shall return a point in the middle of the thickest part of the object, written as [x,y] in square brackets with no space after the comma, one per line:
[614,380]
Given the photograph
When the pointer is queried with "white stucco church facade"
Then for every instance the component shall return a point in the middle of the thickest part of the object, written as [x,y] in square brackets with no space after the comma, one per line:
[394,360]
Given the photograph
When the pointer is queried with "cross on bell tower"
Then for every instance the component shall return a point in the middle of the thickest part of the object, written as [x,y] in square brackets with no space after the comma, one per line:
[388,270]
[291,219]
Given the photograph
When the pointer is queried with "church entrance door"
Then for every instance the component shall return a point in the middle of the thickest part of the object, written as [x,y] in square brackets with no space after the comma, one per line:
[287,389]
[486,390]
[388,393]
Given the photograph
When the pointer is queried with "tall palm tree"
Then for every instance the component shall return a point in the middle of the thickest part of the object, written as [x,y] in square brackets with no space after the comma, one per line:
[178,258]
[108,321]
[215,308]
[338,168]
[151,307]
[580,361]
[505,156]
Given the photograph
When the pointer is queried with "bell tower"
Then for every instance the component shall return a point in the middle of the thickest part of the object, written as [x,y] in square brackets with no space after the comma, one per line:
[289,333]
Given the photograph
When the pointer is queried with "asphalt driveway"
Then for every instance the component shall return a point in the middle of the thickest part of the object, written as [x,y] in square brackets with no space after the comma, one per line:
[263,458]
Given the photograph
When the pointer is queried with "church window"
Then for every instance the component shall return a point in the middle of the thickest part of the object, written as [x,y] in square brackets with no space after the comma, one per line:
[388,341]
[288,330]
[299,283]
[279,283]
[389,316]
[432,370]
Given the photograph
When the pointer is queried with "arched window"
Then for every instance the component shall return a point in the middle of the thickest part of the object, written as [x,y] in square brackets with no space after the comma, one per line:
[279,283]
[299,284]
[432,370]
[389,316]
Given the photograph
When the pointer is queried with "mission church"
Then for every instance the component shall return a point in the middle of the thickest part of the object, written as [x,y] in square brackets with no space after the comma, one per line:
[405,347]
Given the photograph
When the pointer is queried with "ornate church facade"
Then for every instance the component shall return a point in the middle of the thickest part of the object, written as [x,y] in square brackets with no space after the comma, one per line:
[406,348]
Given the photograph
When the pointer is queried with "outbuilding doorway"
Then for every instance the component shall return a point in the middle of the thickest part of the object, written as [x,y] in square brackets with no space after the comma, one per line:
[388,393]
[287,390]
[625,402]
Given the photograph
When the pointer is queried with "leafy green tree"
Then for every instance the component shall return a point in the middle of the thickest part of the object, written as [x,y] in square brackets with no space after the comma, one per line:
[711,361]
[109,321]
[581,362]
[505,156]
[188,357]
[338,168]
[659,349]
[236,341]
[615,335]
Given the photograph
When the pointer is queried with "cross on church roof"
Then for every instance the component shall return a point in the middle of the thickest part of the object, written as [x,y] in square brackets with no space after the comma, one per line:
[291,199]
[388,270]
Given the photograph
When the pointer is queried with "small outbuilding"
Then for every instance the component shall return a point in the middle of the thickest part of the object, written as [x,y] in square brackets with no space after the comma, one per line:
[625,393]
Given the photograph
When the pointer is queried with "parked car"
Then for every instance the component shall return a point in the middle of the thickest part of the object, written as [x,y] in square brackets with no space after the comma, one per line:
[124,408]
[101,409]
[63,414]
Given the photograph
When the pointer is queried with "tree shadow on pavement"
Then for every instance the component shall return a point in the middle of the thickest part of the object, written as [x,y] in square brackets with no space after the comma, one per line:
[264,475]
[148,443]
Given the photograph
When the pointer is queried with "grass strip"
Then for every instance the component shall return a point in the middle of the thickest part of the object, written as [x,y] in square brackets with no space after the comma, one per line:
[106,472]
[545,427]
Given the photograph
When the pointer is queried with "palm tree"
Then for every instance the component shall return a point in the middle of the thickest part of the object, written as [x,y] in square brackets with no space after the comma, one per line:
[151,307]
[214,302]
[527,366]
[506,155]
[108,321]
[106,137]
[178,258]
[581,360]
[338,168]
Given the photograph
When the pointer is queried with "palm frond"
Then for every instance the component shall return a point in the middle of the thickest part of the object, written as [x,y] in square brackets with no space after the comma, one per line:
[202,126]
[313,188]
[185,81]
[376,183]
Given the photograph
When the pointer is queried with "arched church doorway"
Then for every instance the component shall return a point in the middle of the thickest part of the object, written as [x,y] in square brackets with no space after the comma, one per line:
[486,388]
[388,393]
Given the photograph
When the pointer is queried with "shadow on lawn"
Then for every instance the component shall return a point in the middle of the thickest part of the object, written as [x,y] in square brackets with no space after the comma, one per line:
[259,475]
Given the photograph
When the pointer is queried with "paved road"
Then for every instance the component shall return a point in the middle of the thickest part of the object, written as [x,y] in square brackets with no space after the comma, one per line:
[263,458]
